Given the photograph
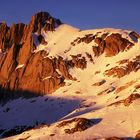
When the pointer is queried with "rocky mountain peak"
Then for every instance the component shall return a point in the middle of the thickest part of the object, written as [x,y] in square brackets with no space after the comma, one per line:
[43,19]
[17,46]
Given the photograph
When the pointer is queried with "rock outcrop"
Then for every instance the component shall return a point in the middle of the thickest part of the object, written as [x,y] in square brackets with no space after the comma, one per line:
[111,44]
[137,137]
[79,124]
[129,100]
[120,71]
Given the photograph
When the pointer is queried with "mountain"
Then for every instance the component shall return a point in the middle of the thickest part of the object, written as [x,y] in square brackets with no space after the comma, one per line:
[60,82]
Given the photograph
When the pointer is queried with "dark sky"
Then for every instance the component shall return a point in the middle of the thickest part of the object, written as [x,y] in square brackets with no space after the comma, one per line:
[84,14]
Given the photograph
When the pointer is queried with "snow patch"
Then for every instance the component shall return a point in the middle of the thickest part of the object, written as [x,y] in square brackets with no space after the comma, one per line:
[19,66]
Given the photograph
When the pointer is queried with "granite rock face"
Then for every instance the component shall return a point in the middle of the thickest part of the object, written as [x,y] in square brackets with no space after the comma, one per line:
[20,67]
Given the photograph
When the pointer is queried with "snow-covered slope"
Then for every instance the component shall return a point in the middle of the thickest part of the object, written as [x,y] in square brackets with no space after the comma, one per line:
[96,92]
[64,35]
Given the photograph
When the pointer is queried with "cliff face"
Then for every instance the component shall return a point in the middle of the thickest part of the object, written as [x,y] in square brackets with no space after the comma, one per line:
[16,45]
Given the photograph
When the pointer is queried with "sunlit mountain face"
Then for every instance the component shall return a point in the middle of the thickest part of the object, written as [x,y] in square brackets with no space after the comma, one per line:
[59,82]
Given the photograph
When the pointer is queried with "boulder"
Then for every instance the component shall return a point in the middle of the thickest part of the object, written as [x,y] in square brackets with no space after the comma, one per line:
[79,124]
